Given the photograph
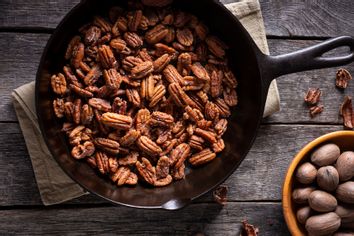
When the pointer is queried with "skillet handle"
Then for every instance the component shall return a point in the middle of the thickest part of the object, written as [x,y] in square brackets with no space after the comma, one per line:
[308,58]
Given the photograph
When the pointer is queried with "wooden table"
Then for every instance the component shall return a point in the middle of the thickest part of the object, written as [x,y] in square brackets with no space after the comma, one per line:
[255,188]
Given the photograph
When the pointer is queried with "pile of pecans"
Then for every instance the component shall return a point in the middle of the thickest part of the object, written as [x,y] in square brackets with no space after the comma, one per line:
[145,93]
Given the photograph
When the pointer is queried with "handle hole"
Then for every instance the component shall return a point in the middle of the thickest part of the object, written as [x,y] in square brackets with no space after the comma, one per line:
[337,52]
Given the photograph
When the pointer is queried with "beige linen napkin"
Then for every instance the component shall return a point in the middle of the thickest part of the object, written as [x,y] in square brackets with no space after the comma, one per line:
[53,184]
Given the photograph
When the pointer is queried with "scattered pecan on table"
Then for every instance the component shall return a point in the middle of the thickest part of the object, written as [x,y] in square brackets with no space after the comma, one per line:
[346,110]
[342,78]
[312,99]
[145,93]
[220,194]
[248,229]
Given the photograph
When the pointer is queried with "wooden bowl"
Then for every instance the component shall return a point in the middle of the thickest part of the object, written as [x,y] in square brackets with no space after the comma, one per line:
[345,141]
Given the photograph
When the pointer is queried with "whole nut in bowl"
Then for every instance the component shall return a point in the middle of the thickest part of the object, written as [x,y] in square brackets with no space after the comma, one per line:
[329,206]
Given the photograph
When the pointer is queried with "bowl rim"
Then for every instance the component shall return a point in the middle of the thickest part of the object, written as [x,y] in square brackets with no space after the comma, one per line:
[289,216]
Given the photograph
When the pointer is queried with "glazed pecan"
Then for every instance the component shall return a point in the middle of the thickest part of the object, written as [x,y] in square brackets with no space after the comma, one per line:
[58,83]
[130,62]
[112,78]
[129,160]
[162,167]
[200,72]
[129,138]
[148,146]
[170,37]
[162,49]
[201,30]
[146,170]
[202,157]
[107,145]
[342,78]
[181,19]
[102,24]
[184,36]
[220,127]
[248,229]
[119,106]
[192,83]
[70,77]
[196,142]
[206,135]
[163,135]
[121,25]
[168,146]
[142,117]
[193,114]
[230,97]
[163,181]
[72,44]
[100,104]
[120,46]
[312,96]
[224,109]
[211,111]
[82,151]
[215,84]
[141,70]
[135,20]
[229,79]
[133,97]
[184,63]
[346,110]
[178,173]
[315,110]
[147,87]
[77,55]
[92,35]
[132,179]
[93,75]
[121,175]
[77,111]
[179,96]
[161,119]
[218,146]
[156,34]
[58,107]
[133,39]
[161,62]
[172,76]
[86,114]
[68,110]
[179,155]
[215,46]
[80,91]
[144,55]
[220,194]
[117,121]
[106,57]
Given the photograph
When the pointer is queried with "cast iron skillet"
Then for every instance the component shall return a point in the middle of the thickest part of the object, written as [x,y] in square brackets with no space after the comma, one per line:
[254,72]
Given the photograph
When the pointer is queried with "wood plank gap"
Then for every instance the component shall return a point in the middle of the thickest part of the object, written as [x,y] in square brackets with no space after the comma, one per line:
[29,30]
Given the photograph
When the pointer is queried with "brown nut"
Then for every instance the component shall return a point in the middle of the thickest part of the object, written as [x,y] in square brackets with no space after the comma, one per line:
[323,224]
[325,155]
[300,195]
[327,178]
[345,166]
[322,201]
[303,214]
[345,192]
[306,173]
[346,213]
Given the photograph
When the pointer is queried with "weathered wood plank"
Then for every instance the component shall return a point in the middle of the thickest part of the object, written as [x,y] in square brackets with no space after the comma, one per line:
[282,18]
[259,177]
[209,219]
[21,54]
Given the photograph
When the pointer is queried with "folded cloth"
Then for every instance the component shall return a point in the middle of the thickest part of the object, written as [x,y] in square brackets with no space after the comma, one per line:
[53,184]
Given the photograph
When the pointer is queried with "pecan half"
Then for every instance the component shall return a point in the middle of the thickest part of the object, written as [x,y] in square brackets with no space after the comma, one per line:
[200,72]
[100,104]
[80,91]
[146,170]
[196,142]
[72,44]
[230,97]
[346,110]
[159,119]
[129,138]
[135,20]
[161,62]
[179,96]
[121,175]
[215,84]
[215,46]
[202,157]
[77,55]
[130,62]
[141,70]
[68,110]
[312,96]
[112,78]
[132,179]
[107,145]
[117,121]
[315,110]
[220,127]
[220,194]
[58,83]
[112,164]
[129,160]
[106,57]
[147,87]
[218,146]
[172,76]
[133,39]
[211,111]
[86,114]
[201,30]
[342,78]
[133,97]
[185,36]
[162,167]
[179,155]
[58,107]
[163,181]
[120,46]
[148,146]
[156,34]
[92,35]
[229,79]
[82,151]
[102,162]
[224,109]
[77,111]
[248,229]
[102,24]
[193,114]
[206,135]
[93,75]
[184,63]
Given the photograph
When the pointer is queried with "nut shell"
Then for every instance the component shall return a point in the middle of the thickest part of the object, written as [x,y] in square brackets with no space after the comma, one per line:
[323,224]
[346,213]
[306,173]
[345,166]
[322,202]
[345,192]
[303,214]
[327,178]
[300,195]
[325,155]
